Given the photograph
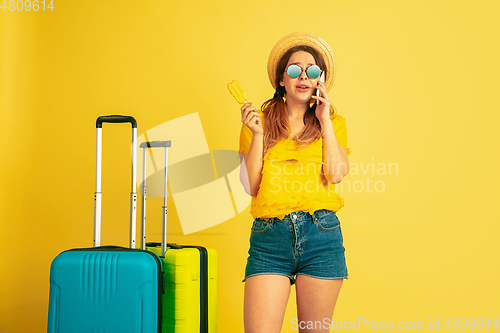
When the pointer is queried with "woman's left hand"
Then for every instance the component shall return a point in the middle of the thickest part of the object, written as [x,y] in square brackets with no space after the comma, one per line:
[323,103]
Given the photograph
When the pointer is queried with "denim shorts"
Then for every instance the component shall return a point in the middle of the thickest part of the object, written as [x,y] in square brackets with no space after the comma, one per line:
[300,243]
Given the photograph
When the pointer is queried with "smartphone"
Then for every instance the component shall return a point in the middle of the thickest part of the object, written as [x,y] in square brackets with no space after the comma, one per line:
[322,80]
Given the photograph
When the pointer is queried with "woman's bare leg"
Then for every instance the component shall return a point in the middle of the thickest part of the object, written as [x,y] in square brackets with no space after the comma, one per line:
[316,299]
[266,297]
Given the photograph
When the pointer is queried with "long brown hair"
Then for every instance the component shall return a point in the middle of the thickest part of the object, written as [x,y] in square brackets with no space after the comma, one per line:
[276,125]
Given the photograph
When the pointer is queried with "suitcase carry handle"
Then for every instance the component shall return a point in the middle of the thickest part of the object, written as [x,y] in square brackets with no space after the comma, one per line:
[154,144]
[115,119]
[98,194]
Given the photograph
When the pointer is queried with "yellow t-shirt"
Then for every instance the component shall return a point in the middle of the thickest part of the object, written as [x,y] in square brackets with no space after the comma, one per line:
[291,176]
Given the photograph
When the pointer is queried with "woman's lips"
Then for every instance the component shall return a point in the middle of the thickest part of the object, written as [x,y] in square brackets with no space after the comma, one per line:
[303,88]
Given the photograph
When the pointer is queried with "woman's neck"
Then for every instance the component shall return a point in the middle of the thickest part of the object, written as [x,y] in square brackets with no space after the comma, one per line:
[295,110]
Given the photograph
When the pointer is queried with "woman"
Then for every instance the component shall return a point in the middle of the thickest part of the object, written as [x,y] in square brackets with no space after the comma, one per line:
[294,151]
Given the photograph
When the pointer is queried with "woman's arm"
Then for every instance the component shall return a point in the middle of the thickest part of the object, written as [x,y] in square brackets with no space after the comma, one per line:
[251,165]
[335,161]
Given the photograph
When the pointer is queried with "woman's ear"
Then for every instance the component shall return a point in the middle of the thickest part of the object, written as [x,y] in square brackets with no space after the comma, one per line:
[282,83]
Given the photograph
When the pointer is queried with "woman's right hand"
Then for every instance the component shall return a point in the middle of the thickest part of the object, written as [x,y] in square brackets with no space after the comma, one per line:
[250,117]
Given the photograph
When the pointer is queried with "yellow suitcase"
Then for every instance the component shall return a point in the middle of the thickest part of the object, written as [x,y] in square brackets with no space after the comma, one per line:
[189,304]
[190,299]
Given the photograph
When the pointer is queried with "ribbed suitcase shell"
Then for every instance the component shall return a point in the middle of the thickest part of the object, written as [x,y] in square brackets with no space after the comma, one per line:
[184,309]
[104,290]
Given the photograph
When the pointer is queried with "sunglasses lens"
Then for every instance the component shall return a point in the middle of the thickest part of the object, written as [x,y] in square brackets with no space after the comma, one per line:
[294,71]
[313,72]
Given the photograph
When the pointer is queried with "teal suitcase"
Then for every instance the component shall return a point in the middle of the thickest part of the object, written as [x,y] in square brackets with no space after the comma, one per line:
[108,289]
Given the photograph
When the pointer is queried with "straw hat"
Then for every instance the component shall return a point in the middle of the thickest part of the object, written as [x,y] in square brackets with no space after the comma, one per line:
[301,38]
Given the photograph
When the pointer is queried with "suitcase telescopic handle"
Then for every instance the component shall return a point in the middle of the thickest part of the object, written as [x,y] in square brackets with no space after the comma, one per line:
[98,194]
[116,119]
[154,144]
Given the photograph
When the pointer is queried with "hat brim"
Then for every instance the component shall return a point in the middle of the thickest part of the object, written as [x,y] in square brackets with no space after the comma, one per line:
[301,38]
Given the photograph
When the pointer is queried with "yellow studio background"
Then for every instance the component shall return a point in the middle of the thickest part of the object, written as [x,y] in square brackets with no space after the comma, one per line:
[417,82]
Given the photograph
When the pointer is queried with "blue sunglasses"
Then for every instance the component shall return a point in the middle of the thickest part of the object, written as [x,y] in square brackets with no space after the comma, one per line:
[294,71]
